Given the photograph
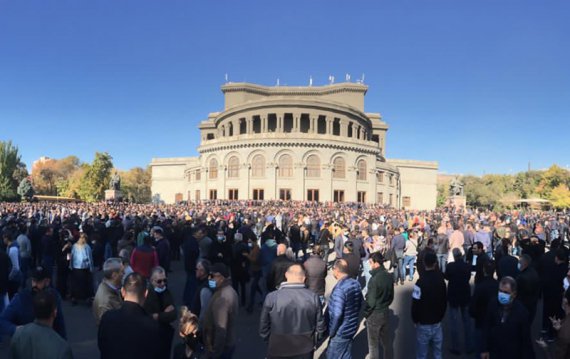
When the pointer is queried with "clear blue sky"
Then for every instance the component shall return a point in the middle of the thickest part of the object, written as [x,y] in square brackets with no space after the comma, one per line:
[480,86]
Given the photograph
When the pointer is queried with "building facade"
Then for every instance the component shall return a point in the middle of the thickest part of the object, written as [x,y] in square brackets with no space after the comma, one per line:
[295,143]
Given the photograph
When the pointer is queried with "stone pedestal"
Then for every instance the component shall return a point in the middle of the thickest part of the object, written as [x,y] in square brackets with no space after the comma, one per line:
[113,195]
[457,201]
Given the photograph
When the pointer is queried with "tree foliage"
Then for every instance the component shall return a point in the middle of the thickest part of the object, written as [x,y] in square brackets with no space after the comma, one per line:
[10,169]
[95,178]
[26,189]
[560,196]
[50,176]
[135,185]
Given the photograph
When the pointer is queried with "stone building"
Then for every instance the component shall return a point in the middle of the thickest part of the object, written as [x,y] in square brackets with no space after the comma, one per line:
[299,143]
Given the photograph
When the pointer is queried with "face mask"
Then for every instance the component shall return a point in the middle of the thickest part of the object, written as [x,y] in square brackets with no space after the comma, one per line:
[159,290]
[191,341]
[221,238]
[566,283]
[212,284]
[519,266]
[270,242]
[504,298]
[250,245]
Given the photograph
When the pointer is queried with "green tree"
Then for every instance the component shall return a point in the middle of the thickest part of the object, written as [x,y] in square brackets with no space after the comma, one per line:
[26,190]
[95,179]
[9,163]
[442,193]
[552,178]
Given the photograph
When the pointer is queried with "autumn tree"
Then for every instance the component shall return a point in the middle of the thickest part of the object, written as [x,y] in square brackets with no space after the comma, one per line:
[560,196]
[10,168]
[135,184]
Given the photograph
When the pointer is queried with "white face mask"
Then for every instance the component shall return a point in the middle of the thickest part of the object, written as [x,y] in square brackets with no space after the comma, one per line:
[159,290]
[566,283]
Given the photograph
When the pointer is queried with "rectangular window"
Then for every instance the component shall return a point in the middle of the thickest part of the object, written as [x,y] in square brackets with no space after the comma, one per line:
[197,195]
[380,177]
[391,180]
[285,194]
[361,197]
[338,195]
[380,197]
[233,194]
[313,195]
[407,201]
[258,194]
[198,175]
[213,194]
[391,200]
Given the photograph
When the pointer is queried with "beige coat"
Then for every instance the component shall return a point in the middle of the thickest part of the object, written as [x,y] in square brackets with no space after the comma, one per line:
[106,299]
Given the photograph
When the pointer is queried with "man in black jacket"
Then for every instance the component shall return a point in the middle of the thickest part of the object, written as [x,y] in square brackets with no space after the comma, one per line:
[528,283]
[278,268]
[506,326]
[129,332]
[458,274]
[485,291]
[428,308]
[552,269]
[507,265]
[477,259]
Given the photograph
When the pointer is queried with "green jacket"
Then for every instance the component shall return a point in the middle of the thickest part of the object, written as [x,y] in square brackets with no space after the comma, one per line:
[380,291]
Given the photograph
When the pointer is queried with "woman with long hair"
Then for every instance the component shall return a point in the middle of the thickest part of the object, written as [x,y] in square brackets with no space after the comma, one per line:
[81,265]
[191,347]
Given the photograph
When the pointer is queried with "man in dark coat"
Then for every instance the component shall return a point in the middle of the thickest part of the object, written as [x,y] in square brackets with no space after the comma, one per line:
[506,328]
[278,268]
[552,270]
[129,332]
[485,291]
[507,265]
[316,272]
[458,274]
[477,259]
[159,304]
[352,259]
[162,248]
[528,283]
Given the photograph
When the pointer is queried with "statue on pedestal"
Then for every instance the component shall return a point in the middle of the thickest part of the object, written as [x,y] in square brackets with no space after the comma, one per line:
[115,183]
[456,187]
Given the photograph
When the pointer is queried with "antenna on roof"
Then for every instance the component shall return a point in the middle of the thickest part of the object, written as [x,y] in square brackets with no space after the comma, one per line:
[310,80]
[277,82]
[331,79]
[226,77]
[347,77]
[362,79]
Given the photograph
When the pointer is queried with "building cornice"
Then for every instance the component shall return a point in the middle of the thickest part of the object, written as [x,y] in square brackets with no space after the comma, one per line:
[238,146]
[294,90]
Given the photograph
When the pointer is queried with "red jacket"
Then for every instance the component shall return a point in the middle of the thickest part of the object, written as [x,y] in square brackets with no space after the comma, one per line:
[143,260]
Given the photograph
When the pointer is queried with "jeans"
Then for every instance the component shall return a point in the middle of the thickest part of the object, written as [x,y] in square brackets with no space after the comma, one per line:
[377,328]
[254,288]
[457,314]
[442,262]
[399,270]
[429,335]
[366,274]
[190,289]
[409,261]
[339,348]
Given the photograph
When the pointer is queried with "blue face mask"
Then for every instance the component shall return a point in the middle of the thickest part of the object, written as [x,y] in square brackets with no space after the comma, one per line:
[212,284]
[221,238]
[519,266]
[159,290]
[504,298]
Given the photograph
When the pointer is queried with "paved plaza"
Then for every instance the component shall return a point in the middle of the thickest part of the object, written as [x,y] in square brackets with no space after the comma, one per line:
[82,332]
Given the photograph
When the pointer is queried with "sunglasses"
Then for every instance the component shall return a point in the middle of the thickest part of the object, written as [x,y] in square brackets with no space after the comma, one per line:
[160,281]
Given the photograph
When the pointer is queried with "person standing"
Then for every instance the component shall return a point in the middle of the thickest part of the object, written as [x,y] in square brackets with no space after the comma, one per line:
[316,272]
[191,347]
[191,252]
[159,304]
[528,284]
[38,340]
[162,246]
[144,258]
[379,296]
[458,274]
[485,291]
[203,291]
[240,267]
[15,276]
[342,312]
[81,265]
[25,248]
[128,332]
[411,253]
[397,247]
[506,328]
[219,330]
[108,295]
[20,310]
[291,318]
[456,239]
[429,302]
[279,266]
[553,271]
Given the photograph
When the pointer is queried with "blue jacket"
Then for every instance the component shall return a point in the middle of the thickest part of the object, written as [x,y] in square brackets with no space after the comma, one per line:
[20,311]
[344,308]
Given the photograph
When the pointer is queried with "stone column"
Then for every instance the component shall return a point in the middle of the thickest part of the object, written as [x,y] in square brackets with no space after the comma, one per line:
[280,124]
[296,120]
[343,127]
[249,125]
[329,125]
[312,122]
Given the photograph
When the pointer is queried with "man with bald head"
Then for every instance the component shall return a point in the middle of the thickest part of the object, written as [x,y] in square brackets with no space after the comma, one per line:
[291,318]
[278,268]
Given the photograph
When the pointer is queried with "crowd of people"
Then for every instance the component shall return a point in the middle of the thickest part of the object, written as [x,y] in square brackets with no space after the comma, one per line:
[488,270]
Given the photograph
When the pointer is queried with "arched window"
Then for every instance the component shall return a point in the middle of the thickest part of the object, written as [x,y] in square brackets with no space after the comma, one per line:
[233,167]
[213,169]
[313,166]
[285,166]
[258,166]
[339,167]
[361,170]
